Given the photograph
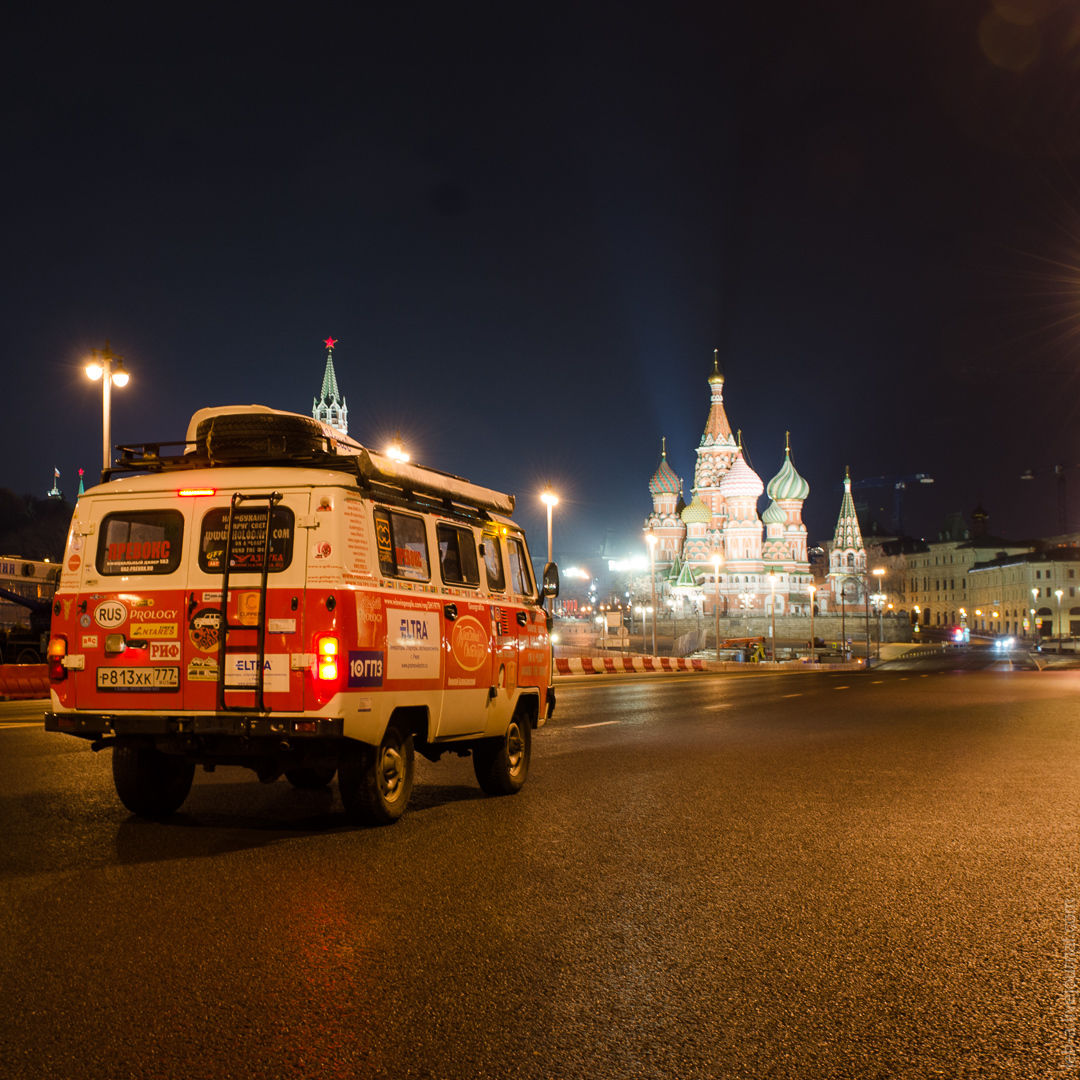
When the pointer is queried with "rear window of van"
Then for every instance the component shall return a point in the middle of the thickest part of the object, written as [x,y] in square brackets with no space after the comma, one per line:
[140,542]
[248,539]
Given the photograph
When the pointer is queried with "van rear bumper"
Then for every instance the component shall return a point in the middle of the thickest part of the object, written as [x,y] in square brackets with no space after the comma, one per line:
[240,725]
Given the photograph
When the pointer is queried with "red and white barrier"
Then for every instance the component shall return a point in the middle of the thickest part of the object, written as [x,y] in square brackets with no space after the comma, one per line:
[622,665]
[19,682]
[618,665]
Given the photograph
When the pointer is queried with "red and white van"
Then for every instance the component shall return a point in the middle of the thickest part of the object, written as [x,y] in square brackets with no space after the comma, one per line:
[387,608]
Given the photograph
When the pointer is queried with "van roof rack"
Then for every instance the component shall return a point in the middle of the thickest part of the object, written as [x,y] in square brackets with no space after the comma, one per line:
[337,452]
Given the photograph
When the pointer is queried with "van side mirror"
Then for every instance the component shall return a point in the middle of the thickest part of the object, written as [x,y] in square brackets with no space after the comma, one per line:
[551,580]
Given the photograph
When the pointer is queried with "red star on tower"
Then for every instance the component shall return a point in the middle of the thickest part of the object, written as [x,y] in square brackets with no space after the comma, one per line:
[330,342]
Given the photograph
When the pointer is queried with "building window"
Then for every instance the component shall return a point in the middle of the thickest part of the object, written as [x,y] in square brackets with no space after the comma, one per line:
[1038,574]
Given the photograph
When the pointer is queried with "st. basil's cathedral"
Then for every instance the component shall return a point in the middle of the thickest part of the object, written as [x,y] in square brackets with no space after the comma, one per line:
[763,560]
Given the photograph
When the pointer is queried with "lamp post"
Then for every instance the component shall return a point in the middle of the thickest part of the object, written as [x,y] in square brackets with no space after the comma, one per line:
[879,601]
[550,500]
[866,603]
[717,559]
[651,541]
[1034,624]
[772,612]
[101,367]
[843,617]
[813,657]
[1058,594]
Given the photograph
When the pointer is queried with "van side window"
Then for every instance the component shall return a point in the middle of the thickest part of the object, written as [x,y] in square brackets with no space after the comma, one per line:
[457,555]
[493,563]
[248,539]
[402,545]
[520,578]
[140,542]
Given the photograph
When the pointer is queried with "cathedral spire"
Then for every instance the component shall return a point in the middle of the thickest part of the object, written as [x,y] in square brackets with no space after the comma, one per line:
[848,535]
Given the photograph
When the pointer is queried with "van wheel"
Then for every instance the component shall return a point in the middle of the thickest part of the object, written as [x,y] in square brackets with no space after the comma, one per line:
[149,783]
[312,778]
[502,764]
[376,784]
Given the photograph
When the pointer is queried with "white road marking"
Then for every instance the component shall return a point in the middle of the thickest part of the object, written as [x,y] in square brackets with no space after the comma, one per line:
[841,687]
[601,723]
[20,725]
[722,705]
[877,682]
[791,695]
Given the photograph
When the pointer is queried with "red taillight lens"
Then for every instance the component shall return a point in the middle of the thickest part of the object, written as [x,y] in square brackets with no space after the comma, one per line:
[56,654]
[326,659]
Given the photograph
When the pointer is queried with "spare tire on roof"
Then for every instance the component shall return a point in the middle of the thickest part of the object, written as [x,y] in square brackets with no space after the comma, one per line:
[258,435]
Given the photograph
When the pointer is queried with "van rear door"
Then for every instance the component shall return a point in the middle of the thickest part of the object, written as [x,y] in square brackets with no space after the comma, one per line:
[129,608]
[283,687]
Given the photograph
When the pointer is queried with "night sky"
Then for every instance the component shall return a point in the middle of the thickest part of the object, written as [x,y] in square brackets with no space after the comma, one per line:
[529,226]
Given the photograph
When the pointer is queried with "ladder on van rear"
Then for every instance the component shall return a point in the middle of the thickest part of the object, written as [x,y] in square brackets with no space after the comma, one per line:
[260,625]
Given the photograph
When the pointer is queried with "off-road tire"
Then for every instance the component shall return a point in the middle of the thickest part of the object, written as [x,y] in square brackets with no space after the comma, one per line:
[376,783]
[149,783]
[257,435]
[501,765]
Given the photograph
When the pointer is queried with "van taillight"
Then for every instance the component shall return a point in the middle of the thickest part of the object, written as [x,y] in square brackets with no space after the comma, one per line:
[326,660]
[56,654]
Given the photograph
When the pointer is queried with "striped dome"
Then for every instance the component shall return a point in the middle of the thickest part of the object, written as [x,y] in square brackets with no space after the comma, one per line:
[697,511]
[773,515]
[664,481]
[741,482]
[787,483]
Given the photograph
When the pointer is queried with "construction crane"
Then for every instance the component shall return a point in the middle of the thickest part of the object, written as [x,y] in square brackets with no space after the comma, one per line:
[899,485]
[1062,498]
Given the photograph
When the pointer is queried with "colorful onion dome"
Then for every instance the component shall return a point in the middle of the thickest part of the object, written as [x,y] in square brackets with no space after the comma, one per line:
[787,483]
[696,512]
[740,481]
[664,481]
[773,514]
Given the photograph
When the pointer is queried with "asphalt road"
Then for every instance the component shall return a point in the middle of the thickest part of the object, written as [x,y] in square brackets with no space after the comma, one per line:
[858,875]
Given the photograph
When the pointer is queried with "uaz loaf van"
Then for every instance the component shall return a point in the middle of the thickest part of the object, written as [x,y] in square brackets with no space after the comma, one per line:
[276,596]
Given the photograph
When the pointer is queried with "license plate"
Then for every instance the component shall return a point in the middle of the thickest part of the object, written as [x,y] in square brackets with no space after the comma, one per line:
[145,679]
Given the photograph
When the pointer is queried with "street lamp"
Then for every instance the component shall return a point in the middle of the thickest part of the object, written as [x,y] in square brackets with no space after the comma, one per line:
[1034,624]
[813,656]
[101,367]
[1058,594]
[651,541]
[772,612]
[879,601]
[717,559]
[396,451]
[550,500]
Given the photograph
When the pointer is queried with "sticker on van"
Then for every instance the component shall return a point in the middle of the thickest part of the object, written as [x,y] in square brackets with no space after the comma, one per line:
[365,667]
[109,614]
